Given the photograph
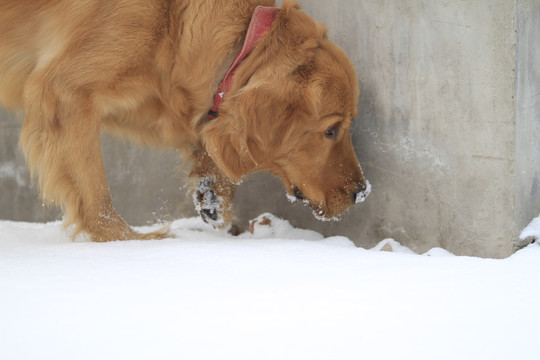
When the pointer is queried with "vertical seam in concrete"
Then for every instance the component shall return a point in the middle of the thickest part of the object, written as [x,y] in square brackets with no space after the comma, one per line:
[515,240]
[516,63]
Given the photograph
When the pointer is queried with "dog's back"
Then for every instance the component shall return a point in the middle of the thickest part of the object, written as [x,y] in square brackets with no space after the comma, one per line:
[76,42]
[20,24]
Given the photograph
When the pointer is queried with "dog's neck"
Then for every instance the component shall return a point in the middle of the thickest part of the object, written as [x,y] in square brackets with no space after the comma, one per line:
[262,20]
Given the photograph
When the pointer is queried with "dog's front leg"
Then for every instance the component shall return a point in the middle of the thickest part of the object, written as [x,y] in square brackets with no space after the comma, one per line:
[214,192]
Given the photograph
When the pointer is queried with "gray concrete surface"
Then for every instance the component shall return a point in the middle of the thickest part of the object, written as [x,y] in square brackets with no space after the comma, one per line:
[527,120]
[448,132]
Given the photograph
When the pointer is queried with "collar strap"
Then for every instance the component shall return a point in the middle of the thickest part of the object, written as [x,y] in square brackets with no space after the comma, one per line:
[260,23]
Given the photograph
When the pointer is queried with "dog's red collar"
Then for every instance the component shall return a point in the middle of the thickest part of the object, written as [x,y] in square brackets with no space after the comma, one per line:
[260,23]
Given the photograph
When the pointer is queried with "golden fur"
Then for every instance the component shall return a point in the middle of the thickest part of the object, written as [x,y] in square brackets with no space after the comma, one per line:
[147,70]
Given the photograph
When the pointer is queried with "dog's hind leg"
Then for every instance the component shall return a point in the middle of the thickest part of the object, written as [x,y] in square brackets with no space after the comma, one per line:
[61,142]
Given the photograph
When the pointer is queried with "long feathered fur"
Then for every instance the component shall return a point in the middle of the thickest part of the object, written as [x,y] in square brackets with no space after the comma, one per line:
[147,70]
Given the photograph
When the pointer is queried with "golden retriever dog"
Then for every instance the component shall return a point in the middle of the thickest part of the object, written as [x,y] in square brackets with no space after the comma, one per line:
[149,70]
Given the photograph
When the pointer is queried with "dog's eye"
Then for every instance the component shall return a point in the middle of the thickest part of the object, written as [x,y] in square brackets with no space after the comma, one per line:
[331,132]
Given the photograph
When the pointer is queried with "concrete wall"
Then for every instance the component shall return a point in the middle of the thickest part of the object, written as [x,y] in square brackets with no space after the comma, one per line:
[436,128]
[448,132]
[527,130]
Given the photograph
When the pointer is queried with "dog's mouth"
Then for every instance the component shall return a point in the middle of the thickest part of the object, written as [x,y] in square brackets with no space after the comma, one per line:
[298,194]
[322,211]
[318,209]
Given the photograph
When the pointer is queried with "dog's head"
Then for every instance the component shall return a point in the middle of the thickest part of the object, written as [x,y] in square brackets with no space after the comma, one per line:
[289,112]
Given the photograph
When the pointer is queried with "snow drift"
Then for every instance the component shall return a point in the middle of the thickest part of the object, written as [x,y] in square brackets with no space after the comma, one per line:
[276,293]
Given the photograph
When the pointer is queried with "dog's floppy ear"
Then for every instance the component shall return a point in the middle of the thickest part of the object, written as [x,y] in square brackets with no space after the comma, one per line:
[267,112]
[252,132]
[249,134]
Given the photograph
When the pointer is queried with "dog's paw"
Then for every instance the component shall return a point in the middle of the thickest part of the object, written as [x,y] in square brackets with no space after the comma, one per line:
[207,203]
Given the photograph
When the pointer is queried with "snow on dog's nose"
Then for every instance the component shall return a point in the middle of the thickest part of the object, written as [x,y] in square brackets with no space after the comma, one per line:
[363,194]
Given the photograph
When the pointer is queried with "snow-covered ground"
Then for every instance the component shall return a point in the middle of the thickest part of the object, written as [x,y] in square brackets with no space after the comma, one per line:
[279,293]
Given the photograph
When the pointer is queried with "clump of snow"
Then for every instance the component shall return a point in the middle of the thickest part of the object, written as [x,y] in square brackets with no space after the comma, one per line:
[532,230]
[292,199]
[438,252]
[392,245]
[279,293]
[364,194]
